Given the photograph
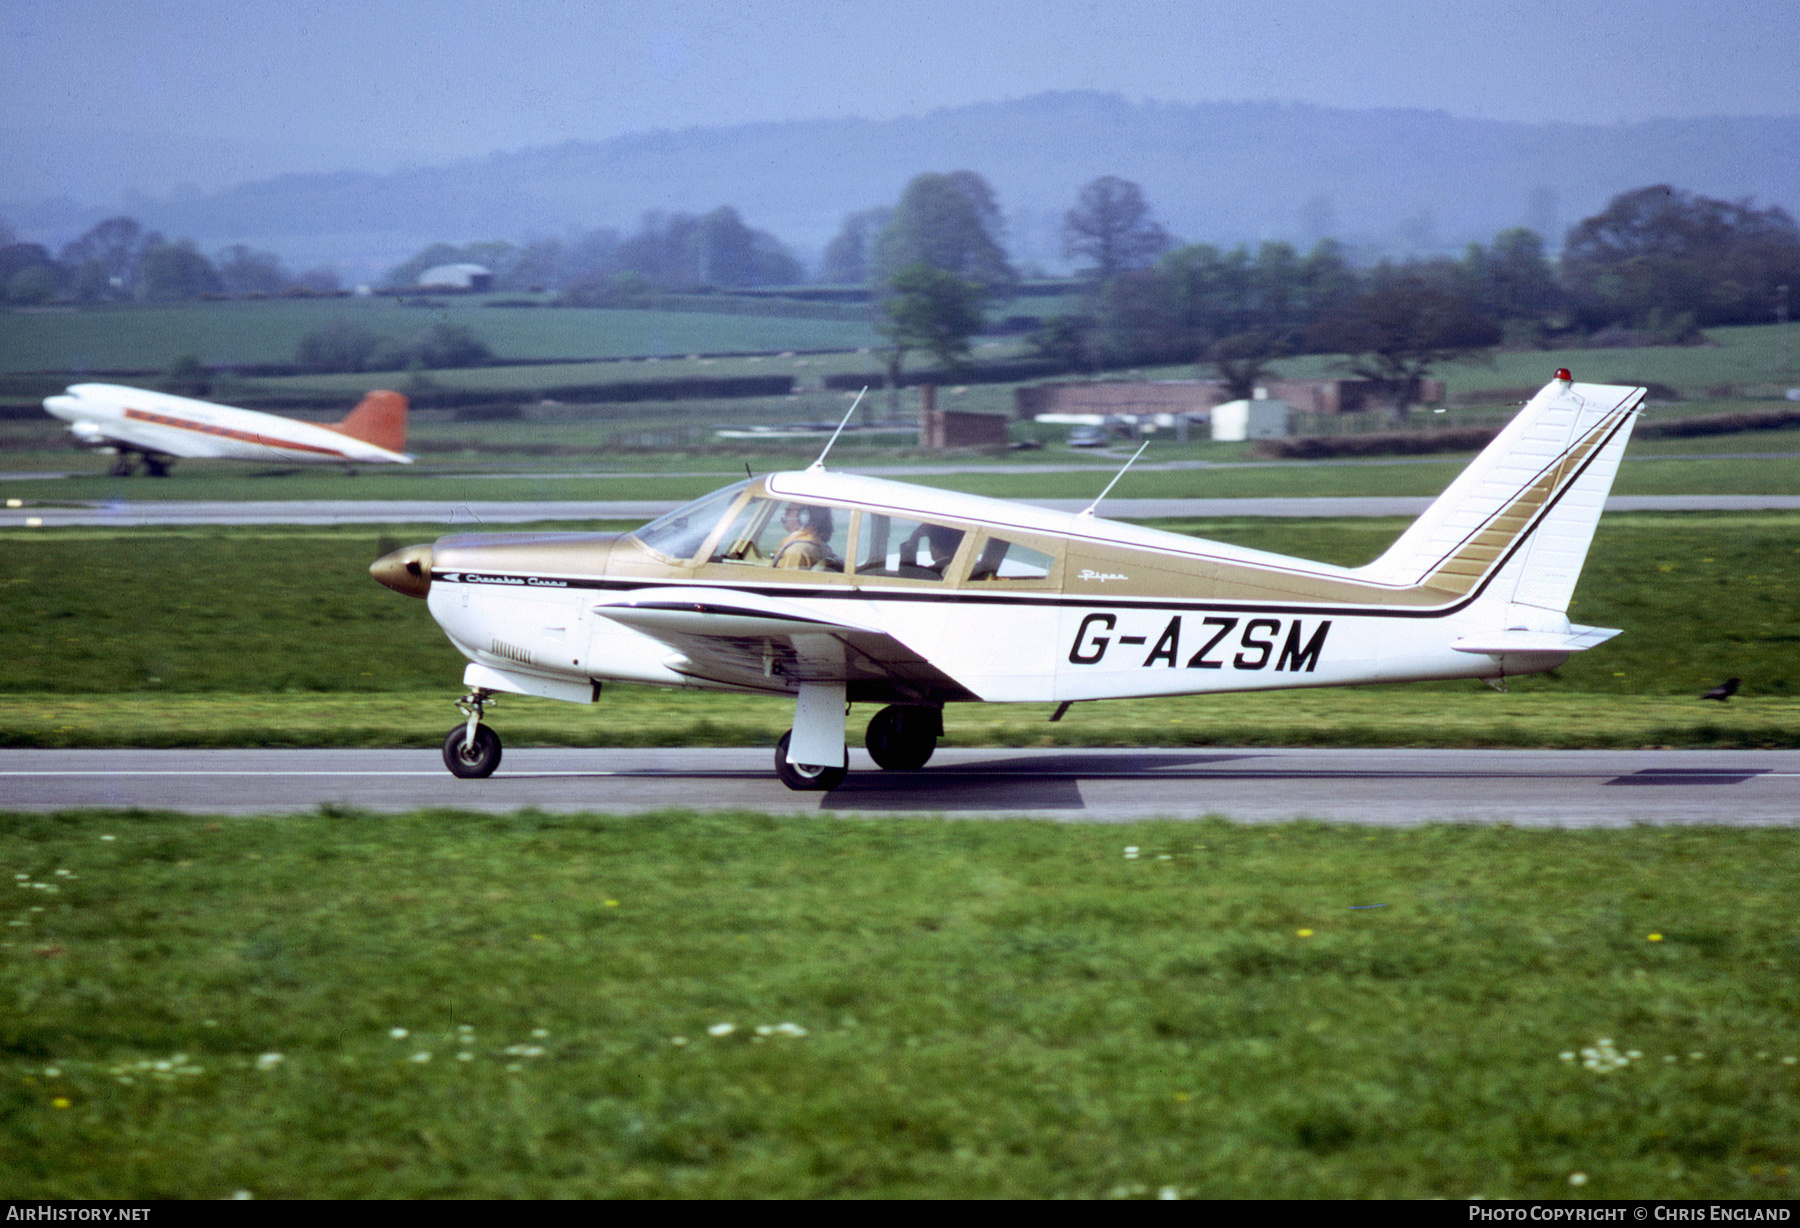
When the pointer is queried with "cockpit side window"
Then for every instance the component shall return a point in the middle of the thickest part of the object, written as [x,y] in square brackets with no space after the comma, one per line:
[679,534]
[1000,559]
[893,546]
[785,534]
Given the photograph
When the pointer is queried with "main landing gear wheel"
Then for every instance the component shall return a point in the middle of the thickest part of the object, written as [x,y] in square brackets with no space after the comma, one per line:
[901,738]
[471,760]
[801,777]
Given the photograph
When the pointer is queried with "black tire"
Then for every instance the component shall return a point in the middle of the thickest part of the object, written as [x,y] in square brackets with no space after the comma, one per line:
[474,761]
[901,739]
[802,777]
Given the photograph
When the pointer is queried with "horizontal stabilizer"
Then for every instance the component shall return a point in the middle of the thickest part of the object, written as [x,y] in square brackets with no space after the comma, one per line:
[1574,640]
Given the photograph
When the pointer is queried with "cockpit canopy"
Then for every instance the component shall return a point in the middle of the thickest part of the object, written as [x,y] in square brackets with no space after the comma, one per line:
[746,526]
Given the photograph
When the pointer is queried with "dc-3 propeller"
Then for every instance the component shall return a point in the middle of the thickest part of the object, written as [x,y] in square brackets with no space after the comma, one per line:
[833,590]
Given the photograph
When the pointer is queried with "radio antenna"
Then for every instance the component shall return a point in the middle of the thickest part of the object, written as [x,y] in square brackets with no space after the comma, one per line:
[1089,509]
[820,463]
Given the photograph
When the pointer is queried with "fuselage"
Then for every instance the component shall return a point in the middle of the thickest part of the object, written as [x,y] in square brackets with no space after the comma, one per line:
[159,423]
[1027,604]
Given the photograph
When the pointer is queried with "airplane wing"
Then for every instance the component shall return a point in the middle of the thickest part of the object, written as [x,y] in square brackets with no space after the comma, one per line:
[751,640]
[116,434]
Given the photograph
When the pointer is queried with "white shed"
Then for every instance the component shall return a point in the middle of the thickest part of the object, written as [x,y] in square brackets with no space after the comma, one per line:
[1237,420]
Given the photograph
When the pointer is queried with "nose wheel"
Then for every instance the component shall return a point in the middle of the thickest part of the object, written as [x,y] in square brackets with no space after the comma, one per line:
[471,758]
[471,749]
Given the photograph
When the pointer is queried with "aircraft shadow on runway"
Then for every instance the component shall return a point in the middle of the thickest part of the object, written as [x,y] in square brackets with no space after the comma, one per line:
[1026,782]
[1023,782]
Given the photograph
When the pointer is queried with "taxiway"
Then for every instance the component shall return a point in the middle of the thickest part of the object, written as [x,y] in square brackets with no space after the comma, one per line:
[1395,787]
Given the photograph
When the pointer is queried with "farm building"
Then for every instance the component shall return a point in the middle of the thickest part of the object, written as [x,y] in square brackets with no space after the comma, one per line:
[472,277]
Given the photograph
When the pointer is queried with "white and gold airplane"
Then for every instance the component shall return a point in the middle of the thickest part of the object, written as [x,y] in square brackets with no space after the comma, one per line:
[832,589]
[156,428]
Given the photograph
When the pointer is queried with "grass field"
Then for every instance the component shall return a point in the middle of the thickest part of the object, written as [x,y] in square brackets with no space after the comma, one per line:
[676,1005]
[1446,716]
[150,336]
[1752,463]
[154,637]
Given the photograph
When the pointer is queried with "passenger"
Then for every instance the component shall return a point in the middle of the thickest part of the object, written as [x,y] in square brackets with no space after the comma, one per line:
[940,541]
[807,543]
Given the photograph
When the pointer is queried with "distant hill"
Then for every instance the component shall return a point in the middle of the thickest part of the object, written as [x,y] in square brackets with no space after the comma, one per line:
[1391,181]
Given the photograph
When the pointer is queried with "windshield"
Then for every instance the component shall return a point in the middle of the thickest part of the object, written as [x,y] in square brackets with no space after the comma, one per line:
[680,534]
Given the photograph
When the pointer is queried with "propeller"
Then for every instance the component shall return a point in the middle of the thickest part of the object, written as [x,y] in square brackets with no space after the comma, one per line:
[407,570]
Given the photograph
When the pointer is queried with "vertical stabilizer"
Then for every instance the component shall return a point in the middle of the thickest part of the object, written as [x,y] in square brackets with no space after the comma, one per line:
[379,419]
[1528,504]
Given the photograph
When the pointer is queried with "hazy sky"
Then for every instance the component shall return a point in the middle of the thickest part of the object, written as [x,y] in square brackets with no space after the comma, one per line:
[239,88]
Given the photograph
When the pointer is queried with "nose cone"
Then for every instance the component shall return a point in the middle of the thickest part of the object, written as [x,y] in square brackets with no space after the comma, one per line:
[406,570]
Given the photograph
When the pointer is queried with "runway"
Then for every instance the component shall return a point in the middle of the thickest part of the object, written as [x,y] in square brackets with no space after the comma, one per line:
[1382,787]
[468,516]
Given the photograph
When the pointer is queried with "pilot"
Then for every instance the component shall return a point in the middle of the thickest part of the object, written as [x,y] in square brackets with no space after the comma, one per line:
[808,532]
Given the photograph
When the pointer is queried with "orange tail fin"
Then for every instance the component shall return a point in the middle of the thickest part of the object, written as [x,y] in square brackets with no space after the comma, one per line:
[379,419]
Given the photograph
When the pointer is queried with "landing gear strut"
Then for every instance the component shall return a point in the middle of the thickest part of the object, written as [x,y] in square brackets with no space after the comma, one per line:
[471,749]
[156,464]
[902,737]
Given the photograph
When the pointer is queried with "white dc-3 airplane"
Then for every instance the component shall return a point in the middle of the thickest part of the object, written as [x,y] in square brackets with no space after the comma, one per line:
[832,589]
[156,428]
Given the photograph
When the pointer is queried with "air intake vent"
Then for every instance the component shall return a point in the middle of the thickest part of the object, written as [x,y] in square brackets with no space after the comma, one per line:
[512,652]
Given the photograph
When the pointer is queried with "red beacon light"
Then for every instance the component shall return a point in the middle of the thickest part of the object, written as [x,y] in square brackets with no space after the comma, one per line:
[1562,373]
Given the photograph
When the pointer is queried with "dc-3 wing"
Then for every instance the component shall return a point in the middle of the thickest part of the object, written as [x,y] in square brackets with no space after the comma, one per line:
[745,639]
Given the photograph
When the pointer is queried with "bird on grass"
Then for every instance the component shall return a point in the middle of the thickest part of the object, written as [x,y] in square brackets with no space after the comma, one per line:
[1724,691]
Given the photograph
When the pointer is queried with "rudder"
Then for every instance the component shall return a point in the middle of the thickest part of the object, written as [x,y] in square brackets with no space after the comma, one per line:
[379,418]
[1531,500]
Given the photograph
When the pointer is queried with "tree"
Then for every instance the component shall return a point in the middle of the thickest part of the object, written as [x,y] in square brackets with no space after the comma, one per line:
[103,262]
[946,222]
[1512,279]
[1404,324]
[171,272]
[448,345]
[243,271]
[27,273]
[1662,251]
[1242,361]
[847,256]
[678,251]
[345,345]
[1067,341]
[932,310]
[1111,226]
[1142,317]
